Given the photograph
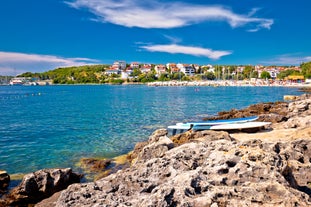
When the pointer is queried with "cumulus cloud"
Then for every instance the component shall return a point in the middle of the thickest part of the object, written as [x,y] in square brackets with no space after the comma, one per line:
[288,59]
[153,14]
[188,50]
[13,63]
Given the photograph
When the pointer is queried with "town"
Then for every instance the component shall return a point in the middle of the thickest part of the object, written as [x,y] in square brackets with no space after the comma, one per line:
[121,72]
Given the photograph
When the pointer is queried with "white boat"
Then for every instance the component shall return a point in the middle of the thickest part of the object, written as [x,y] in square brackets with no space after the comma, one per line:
[16,82]
[219,122]
[226,125]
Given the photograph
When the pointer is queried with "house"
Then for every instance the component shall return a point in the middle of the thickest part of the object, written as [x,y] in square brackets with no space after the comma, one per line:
[186,69]
[160,69]
[146,68]
[121,65]
[112,71]
[134,65]
[172,67]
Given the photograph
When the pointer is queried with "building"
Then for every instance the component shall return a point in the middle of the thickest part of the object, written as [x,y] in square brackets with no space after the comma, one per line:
[120,65]
[134,65]
[146,68]
[160,69]
[186,69]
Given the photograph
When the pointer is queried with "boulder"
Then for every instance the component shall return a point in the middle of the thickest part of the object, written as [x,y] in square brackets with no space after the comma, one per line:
[41,184]
[4,181]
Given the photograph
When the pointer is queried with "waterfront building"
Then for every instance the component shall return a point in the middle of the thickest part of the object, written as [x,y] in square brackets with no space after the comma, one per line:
[134,65]
[186,69]
[146,68]
[160,69]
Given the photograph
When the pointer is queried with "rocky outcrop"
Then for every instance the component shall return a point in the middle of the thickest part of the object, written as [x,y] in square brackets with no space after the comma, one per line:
[275,112]
[204,172]
[210,168]
[39,185]
[4,182]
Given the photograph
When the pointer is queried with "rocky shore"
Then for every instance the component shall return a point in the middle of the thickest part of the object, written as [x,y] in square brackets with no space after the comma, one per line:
[206,168]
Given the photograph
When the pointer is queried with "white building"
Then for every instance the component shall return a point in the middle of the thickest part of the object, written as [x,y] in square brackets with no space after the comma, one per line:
[186,69]
[121,65]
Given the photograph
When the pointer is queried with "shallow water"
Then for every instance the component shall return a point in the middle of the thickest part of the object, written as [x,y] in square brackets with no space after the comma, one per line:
[54,126]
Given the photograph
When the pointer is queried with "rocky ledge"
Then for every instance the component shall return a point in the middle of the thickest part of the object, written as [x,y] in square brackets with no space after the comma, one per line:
[210,168]
[39,185]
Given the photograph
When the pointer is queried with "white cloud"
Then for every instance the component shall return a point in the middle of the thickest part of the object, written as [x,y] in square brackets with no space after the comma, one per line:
[153,14]
[288,59]
[188,50]
[13,63]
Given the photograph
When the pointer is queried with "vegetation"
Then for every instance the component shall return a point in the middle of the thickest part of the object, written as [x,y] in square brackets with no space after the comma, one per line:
[286,73]
[97,74]
[306,69]
[265,75]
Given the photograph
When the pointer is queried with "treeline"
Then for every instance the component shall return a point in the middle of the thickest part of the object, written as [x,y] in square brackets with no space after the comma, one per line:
[96,74]
[72,75]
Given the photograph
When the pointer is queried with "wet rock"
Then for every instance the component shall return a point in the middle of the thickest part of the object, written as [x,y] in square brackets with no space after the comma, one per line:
[4,182]
[41,184]
[95,164]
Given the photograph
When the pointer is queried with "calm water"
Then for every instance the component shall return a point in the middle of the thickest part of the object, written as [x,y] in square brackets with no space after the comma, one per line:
[54,126]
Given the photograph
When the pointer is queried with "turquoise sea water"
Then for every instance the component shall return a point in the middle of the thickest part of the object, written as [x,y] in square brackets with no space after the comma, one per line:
[55,126]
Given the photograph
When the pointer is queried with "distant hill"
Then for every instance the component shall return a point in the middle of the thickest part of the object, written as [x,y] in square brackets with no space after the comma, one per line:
[72,75]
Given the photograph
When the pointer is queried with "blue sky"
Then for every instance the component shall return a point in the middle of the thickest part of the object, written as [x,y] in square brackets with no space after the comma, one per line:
[39,35]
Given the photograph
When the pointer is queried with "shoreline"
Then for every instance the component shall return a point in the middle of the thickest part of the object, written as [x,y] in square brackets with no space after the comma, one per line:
[140,156]
[229,83]
[211,83]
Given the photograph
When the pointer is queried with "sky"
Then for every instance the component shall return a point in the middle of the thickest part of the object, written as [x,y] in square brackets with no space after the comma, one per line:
[41,35]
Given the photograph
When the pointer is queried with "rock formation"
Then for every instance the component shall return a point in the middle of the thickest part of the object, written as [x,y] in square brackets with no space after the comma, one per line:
[4,181]
[39,185]
[208,168]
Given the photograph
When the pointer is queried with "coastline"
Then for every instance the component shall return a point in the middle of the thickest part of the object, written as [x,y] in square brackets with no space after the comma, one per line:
[290,131]
[212,83]
[217,83]
[213,168]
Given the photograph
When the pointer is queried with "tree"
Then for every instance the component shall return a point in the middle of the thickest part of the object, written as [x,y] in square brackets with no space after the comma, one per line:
[248,70]
[210,76]
[285,73]
[265,75]
[306,69]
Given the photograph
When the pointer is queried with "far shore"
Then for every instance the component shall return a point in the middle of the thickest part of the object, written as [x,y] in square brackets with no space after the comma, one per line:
[216,83]
[212,83]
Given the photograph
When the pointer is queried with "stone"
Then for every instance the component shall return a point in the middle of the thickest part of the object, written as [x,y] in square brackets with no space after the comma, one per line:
[4,181]
[290,98]
[95,164]
[41,184]
[205,172]
[208,168]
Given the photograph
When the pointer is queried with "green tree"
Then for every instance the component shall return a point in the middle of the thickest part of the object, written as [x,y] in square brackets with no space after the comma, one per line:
[247,72]
[306,69]
[285,73]
[265,75]
[210,76]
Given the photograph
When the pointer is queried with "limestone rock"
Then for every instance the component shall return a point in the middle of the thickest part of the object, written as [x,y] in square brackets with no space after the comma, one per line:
[4,181]
[41,184]
[204,172]
[211,135]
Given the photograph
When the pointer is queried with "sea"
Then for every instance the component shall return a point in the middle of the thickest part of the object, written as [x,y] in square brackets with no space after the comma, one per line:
[55,126]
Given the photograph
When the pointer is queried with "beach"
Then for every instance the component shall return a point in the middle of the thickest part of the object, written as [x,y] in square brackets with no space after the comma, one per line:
[216,83]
